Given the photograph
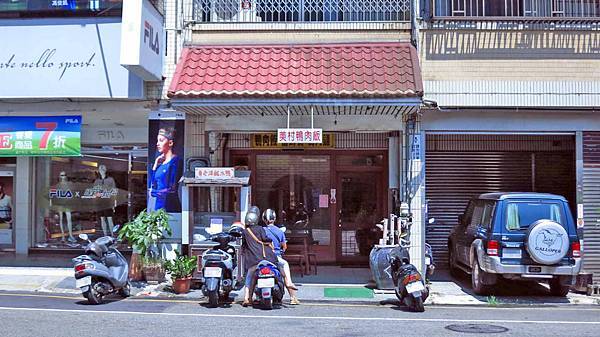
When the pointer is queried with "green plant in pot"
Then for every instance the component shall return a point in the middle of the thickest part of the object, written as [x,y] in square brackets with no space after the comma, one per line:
[181,270]
[143,234]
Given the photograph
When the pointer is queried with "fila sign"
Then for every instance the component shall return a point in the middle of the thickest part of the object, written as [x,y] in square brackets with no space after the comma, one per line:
[142,39]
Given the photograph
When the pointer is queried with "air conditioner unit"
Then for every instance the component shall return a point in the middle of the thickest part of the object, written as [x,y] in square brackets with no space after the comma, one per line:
[234,11]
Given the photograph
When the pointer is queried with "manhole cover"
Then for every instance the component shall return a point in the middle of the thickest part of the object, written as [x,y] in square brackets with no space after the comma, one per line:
[476,328]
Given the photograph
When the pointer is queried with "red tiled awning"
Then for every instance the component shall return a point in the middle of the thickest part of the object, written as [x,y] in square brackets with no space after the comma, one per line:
[366,70]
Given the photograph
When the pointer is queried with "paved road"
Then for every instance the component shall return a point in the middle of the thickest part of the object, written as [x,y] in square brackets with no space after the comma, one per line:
[29,314]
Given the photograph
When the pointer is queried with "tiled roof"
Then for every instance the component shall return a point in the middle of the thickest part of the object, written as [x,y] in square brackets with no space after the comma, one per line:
[371,70]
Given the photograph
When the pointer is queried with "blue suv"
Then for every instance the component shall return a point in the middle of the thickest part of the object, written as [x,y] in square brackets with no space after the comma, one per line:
[517,236]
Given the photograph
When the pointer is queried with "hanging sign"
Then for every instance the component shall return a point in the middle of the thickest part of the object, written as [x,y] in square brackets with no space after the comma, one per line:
[300,136]
[40,136]
[269,141]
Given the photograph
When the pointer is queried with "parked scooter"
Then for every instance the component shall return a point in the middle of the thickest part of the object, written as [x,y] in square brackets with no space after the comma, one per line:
[429,264]
[409,285]
[269,284]
[218,266]
[102,271]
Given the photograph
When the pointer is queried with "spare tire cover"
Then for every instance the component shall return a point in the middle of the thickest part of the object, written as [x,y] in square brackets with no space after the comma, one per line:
[547,241]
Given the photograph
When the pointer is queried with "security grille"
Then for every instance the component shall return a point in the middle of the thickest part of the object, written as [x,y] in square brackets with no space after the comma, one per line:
[591,203]
[301,10]
[459,167]
[518,8]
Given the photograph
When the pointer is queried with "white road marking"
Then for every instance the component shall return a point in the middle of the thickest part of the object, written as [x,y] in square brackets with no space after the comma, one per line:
[322,318]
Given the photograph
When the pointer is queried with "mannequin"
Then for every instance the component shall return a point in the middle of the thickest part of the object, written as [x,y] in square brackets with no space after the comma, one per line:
[106,185]
[64,210]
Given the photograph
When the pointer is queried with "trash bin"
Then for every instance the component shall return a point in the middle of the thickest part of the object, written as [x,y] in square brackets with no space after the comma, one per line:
[380,267]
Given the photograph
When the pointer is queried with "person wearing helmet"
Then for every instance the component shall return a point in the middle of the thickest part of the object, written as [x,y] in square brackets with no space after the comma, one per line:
[277,237]
[256,246]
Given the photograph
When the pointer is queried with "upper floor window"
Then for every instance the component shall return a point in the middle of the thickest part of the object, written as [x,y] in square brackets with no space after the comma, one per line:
[301,10]
[518,8]
[49,8]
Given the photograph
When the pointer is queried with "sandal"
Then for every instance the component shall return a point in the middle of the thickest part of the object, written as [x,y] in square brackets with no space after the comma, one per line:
[246,303]
[294,301]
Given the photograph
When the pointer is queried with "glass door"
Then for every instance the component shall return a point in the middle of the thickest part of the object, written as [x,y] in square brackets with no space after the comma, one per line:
[7,211]
[359,207]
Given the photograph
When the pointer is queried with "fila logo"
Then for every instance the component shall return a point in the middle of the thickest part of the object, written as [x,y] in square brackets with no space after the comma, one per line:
[60,194]
[151,38]
[71,121]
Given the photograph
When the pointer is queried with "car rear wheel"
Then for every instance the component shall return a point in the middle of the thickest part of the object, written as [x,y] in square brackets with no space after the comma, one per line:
[477,276]
[557,289]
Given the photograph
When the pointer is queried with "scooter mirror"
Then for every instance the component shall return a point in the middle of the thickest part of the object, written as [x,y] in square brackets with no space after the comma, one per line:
[116,229]
[83,237]
[431,220]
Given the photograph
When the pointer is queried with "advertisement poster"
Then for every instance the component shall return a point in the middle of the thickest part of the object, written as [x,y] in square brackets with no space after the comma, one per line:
[6,207]
[165,164]
[40,136]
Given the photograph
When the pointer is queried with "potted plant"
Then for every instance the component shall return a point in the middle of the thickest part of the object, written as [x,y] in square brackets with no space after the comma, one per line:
[144,233]
[181,270]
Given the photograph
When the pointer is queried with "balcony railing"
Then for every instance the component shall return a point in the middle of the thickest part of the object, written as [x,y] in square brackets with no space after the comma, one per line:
[221,11]
[518,8]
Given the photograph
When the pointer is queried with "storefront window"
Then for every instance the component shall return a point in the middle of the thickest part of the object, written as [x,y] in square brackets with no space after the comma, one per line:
[297,188]
[89,194]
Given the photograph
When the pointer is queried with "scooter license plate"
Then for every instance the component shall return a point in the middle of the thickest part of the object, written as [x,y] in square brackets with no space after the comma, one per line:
[266,282]
[427,260]
[212,272]
[83,282]
[414,287]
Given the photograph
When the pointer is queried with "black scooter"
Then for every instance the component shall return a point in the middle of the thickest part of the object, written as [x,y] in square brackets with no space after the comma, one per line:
[409,285]
[102,271]
[218,264]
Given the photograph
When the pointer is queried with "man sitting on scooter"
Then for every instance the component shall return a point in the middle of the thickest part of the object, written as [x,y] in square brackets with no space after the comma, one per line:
[277,237]
[256,246]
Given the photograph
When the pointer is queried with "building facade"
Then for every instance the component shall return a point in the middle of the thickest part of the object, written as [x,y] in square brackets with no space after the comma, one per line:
[517,88]
[63,60]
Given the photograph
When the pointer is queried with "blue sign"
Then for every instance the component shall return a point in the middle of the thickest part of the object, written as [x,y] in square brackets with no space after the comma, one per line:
[40,136]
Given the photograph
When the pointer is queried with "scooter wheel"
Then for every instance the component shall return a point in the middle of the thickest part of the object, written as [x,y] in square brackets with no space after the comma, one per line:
[92,295]
[213,299]
[126,290]
[418,305]
[268,303]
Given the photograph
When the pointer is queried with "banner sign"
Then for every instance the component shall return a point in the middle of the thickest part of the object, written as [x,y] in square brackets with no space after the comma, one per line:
[300,136]
[40,136]
[269,141]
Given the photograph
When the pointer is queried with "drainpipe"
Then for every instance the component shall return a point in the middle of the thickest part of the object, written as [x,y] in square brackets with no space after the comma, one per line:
[414,28]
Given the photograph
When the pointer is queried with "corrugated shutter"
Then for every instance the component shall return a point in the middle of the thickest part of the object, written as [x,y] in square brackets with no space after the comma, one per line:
[591,203]
[459,167]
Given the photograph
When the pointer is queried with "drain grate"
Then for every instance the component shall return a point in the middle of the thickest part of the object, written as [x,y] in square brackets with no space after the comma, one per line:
[476,328]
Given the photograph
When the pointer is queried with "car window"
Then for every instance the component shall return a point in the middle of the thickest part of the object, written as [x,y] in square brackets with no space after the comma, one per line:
[468,213]
[488,213]
[519,215]
[477,213]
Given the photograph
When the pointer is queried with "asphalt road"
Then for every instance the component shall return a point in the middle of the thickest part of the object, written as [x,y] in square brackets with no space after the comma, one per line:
[26,314]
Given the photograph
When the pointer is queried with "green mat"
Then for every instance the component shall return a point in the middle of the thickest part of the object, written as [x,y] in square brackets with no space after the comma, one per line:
[348,292]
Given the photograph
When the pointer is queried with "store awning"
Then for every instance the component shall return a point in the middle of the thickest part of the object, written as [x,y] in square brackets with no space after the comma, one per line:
[325,78]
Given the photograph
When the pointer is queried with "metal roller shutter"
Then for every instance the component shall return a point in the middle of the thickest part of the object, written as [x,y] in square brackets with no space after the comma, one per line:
[459,167]
[591,203]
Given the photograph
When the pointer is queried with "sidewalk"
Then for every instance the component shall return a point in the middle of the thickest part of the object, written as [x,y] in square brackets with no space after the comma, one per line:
[443,290]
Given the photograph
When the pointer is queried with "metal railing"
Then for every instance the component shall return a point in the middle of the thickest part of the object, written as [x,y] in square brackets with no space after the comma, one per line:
[518,8]
[301,10]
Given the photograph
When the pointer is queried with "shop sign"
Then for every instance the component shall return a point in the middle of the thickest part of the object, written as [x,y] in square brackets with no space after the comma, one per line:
[300,136]
[40,136]
[415,150]
[269,141]
[142,39]
[39,60]
[214,173]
